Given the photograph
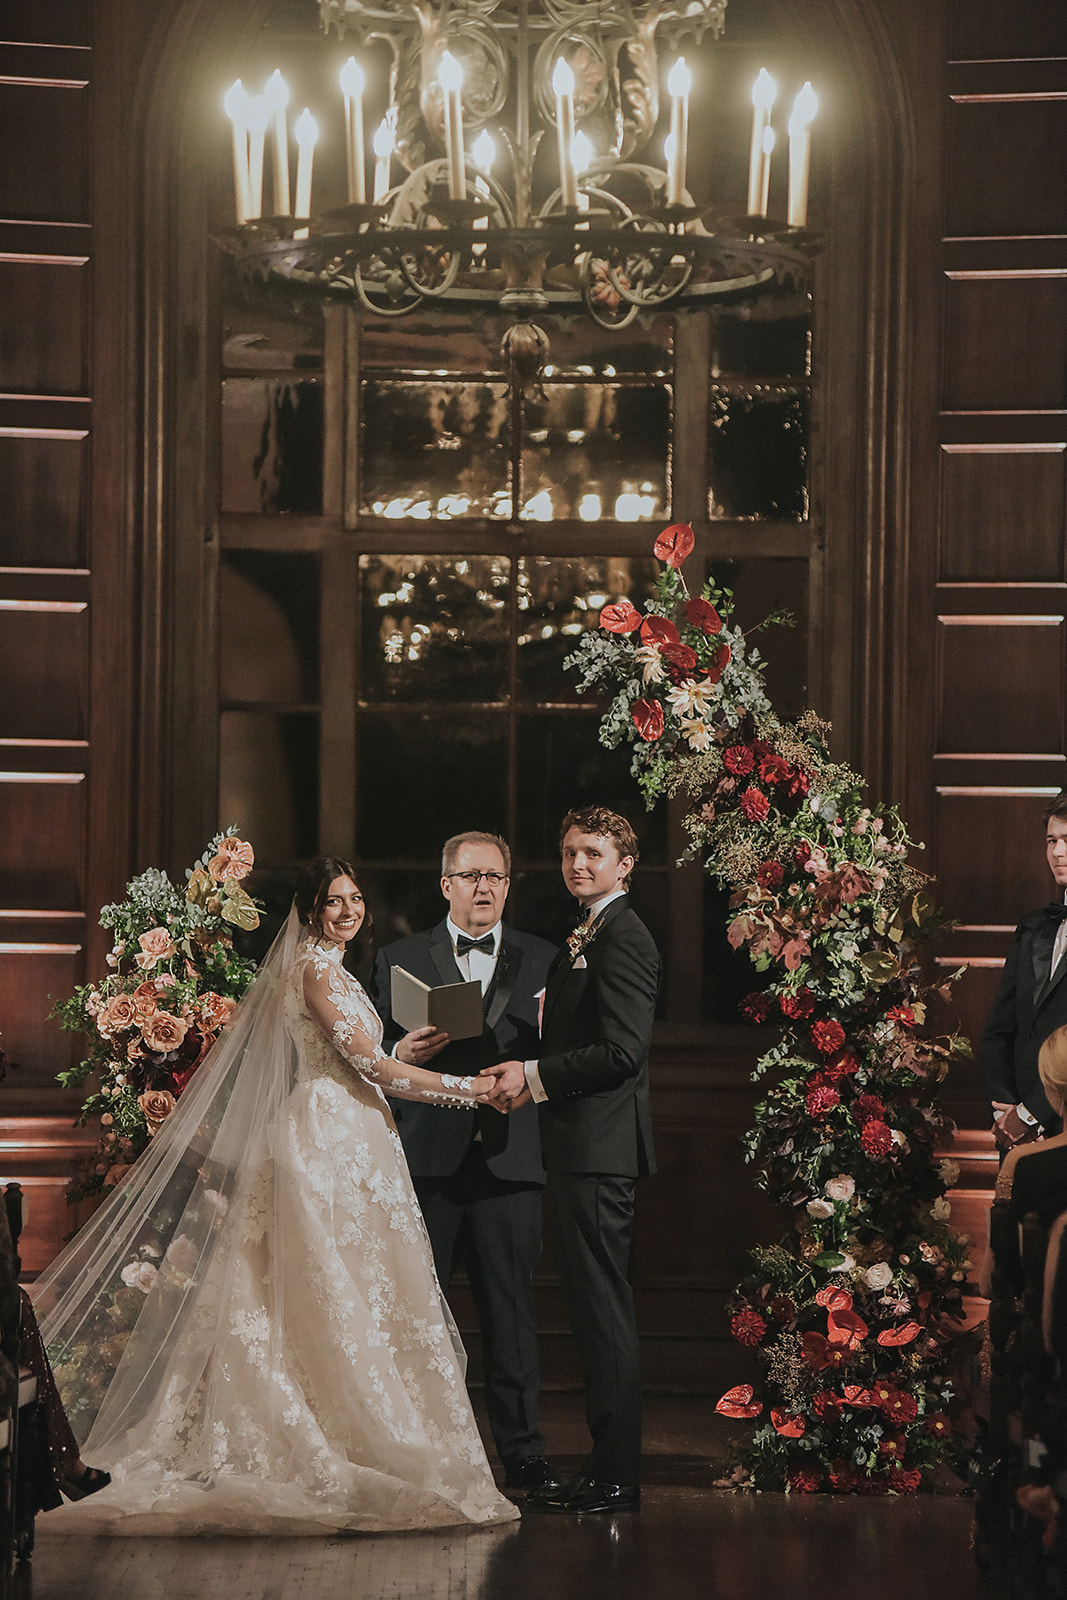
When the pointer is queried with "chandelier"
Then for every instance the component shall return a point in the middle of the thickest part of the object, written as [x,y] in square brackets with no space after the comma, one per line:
[514,168]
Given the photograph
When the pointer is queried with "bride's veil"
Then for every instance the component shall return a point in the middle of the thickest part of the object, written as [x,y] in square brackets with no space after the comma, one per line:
[130,1308]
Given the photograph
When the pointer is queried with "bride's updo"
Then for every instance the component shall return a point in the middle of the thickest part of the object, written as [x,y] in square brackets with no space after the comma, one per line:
[313,889]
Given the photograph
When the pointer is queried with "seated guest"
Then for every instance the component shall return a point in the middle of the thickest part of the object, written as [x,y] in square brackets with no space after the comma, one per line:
[1034,1176]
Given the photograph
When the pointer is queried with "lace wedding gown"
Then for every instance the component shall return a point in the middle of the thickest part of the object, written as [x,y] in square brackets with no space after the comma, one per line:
[293,1368]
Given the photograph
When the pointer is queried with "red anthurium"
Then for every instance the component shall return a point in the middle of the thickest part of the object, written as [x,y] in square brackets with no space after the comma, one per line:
[789,1427]
[847,1328]
[648,719]
[902,1335]
[674,544]
[861,1399]
[680,655]
[738,1402]
[660,630]
[833,1299]
[703,615]
[623,618]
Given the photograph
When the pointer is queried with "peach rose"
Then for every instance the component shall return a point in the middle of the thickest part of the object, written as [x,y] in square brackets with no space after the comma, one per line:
[116,1015]
[215,1009]
[235,860]
[157,1105]
[156,945]
[139,1275]
[144,1000]
[163,1032]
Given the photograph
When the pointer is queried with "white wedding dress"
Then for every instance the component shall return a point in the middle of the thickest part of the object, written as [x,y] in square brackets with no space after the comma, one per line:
[293,1368]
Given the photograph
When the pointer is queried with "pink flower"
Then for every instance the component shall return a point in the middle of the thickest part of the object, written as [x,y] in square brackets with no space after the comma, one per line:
[648,719]
[156,945]
[162,1032]
[623,618]
[754,804]
[674,544]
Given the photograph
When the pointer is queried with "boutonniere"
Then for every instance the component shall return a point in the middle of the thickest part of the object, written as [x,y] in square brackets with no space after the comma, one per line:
[582,936]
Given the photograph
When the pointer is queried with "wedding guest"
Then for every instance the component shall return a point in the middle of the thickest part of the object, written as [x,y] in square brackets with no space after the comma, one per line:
[479,1176]
[590,1082]
[1033,1177]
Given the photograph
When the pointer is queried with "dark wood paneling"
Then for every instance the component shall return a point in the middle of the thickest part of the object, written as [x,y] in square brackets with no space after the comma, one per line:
[31,22]
[44,659]
[32,978]
[42,523]
[1004,344]
[1000,684]
[987,197]
[42,829]
[43,326]
[1003,513]
[1001,31]
[991,856]
[44,154]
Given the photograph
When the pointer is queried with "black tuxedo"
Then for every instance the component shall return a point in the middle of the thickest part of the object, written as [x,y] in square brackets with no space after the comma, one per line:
[1026,1009]
[596,1134]
[478,1175]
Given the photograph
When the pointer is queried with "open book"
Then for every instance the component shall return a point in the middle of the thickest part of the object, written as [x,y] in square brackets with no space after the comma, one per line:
[455,1008]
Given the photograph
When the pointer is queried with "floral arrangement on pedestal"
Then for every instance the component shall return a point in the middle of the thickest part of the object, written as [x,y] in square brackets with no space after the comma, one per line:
[174,982]
[854,1314]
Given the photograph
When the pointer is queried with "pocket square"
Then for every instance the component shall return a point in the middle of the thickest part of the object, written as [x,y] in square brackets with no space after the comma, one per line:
[578,963]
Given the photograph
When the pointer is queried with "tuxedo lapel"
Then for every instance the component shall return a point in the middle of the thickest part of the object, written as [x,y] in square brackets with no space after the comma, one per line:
[1041,952]
[562,963]
[444,958]
[508,963]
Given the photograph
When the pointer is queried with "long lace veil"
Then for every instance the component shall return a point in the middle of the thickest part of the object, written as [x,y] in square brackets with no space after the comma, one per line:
[129,1310]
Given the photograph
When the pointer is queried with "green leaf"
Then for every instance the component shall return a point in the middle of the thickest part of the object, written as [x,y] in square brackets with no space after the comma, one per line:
[879,966]
[832,1259]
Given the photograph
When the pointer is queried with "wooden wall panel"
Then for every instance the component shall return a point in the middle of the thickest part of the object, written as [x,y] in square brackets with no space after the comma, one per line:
[996,187]
[1003,513]
[42,833]
[44,343]
[1005,337]
[1000,684]
[991,856]
[997,31]
[33,976]
[44,666]
[44,154]
[42,519]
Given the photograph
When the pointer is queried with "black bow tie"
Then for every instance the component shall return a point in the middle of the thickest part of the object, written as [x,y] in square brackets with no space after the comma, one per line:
[465,943]
[1057,911]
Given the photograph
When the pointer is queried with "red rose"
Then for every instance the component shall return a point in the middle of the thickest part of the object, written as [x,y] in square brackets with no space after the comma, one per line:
[798,1005]
[660,631]
[703,615]
[876,1138]
[756,1007]
[770,874]
[648,719]
[755,805]
[747,1326]
[803,1481]
[827,1035]
[680,655]
[821,1100]
[674,544]
[739,760]
[867,1106]
[623,618]
[738,1402]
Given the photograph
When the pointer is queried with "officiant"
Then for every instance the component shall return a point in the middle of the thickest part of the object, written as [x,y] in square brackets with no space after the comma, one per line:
[478,1176]
[1030,1004]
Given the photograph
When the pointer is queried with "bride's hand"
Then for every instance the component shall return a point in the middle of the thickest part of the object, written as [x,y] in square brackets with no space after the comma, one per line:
[420,1046]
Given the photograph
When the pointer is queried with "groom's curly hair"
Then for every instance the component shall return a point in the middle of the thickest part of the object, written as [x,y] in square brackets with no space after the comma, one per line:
[606,825]
[313,889]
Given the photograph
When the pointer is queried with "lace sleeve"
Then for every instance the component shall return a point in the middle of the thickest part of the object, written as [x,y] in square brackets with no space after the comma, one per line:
[339,1009]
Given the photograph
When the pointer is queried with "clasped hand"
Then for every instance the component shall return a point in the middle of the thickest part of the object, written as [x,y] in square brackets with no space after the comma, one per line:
[509,1088]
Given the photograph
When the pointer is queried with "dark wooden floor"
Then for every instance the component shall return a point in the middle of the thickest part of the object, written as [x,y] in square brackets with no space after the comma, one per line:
[689,1542]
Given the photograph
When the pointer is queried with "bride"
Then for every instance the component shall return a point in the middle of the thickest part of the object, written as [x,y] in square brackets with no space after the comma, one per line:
[291,1365]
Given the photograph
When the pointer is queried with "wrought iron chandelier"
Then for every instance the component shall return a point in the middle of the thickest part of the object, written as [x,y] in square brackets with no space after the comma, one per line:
[476,89]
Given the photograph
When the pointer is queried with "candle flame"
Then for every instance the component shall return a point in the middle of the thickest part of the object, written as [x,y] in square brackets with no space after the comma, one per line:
[307,129]
[235,102]
[483,151]
[352,79]
[276,93]
[384,141]
[804,108]
[562,78]
[680,79]
[449,73]
[764,90]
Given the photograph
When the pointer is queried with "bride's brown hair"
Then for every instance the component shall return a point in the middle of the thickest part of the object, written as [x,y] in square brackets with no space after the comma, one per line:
[313,890]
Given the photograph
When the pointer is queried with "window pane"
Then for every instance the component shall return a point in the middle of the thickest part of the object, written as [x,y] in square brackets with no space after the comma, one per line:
[422,778]
[559,600]
[425,343]
[562,764]
[758,456]
[268,781]
[272,445]
[435,450]
[434,628]
[268,626]
[592,450]
[256,337]
[761,340]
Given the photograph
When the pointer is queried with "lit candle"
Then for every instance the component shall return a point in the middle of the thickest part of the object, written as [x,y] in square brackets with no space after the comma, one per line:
[483,154]
[276,96]
[765,177]
[352,82]
[764,91]
[450,77]
[257,133]
[804,108]
[235,105]
[679,84]
[307,132]
[563,89]
[383,143]
[582,154]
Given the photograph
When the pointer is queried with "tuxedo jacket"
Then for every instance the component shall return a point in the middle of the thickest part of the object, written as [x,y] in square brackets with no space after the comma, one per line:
[595,1038]
[1027,1008]
[436,1138]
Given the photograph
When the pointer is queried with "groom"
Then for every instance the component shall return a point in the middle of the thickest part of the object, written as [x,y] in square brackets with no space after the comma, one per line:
[590,1080]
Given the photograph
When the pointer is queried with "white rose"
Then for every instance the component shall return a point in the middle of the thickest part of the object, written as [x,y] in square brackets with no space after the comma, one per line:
[950,1173]
[846,1263]
[139,1275]
[880,1276]
[820,1208]
[941,1210]
[840,1188]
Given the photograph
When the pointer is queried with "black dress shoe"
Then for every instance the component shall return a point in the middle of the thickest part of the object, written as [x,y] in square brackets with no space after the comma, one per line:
[532,1474]
[585,1496]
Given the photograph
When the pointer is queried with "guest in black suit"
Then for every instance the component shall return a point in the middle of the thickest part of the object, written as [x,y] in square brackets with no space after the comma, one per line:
[590,1080]
[479,1176]
[1030,1003]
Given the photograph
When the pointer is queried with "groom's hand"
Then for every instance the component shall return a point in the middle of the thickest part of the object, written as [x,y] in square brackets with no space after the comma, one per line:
[512,1090]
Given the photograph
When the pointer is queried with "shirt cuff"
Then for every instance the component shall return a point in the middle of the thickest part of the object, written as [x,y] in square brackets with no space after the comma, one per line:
[533,1082]
[1026,1116]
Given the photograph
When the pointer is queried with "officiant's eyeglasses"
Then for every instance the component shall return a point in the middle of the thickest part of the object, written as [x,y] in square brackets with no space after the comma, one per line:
[475,878]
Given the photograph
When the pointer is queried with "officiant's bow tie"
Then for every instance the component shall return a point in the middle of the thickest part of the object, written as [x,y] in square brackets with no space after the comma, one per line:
[465,943]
